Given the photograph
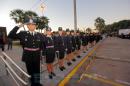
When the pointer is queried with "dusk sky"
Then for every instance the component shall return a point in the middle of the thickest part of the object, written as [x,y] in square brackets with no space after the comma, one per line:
[60,12]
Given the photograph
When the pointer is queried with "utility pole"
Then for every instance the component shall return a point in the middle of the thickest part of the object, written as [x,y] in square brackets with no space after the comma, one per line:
[75,15]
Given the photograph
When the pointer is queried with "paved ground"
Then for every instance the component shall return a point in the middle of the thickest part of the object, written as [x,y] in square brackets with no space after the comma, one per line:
[110,67]
[16,53]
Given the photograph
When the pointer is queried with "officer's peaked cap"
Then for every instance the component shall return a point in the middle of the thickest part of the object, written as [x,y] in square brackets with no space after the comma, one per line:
[77,31]
[67,30]
[72,30]
[48,29]
[60,29]
[29,20]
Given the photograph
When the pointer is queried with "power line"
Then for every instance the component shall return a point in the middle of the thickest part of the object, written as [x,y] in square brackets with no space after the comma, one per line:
[35,4]
[39,2]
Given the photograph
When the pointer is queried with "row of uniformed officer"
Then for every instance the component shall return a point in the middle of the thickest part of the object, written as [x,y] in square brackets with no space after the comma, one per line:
[33,43]
[60,44]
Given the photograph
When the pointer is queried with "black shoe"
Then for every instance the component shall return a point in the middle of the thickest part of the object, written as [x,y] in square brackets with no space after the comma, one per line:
[50,76]
[78,56]
[69,63]
[63,68]
[84,52]
[36,84]
[40,85]
[53,74]
[73,60]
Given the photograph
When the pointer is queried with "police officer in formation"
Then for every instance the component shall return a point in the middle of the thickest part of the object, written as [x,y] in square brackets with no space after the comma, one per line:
[78,44]
[73,38]
[84,40]
[32,43]
[60,48]
[68,47]
[49,52]
[91,40]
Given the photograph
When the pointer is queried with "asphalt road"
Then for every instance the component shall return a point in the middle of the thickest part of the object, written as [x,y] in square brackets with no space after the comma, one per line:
[110,67]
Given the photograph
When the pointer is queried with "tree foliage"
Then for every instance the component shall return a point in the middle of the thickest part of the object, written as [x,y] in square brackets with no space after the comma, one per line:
[100,24]
[88,30]
[42,22]
[123,24]
[19,16]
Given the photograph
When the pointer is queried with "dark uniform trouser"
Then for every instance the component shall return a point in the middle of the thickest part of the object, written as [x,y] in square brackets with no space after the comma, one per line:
[33,69]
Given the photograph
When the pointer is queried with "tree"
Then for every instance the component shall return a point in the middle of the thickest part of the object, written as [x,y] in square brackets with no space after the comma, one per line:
[100,24]
[30,14]
[114,27]
[88,30]
[42,23]
[17,15]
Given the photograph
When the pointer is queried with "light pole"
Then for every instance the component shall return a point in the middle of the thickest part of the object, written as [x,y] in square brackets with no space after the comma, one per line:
[75,15]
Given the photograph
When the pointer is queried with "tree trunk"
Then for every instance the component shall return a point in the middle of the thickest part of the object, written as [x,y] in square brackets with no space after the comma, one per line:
[41,30]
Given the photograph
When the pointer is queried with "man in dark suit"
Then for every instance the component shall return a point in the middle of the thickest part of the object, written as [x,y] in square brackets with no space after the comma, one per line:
[32,43]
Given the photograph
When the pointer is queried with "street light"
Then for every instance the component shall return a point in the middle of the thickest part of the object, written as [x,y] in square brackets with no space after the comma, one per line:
[42,7]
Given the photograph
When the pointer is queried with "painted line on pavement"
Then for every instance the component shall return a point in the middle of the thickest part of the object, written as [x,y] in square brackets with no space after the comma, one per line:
[101,79]
[68,77]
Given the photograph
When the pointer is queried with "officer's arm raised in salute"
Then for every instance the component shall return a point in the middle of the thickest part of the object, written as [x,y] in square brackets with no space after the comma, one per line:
[13,33]
[32,45]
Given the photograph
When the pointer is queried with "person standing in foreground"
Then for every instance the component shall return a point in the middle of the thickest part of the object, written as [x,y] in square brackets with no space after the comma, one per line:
[31,42]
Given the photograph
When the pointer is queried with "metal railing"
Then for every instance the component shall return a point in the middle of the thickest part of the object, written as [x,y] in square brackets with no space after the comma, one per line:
[10,71]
